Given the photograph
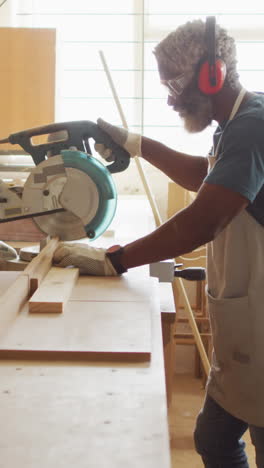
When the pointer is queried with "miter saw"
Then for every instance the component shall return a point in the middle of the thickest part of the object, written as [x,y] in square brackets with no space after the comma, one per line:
[70,193]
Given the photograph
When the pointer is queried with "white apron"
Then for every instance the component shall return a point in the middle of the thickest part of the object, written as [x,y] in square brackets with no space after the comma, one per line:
[235,266]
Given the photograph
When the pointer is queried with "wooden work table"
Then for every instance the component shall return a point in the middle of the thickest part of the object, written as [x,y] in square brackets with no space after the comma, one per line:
[88,414]
[92,413]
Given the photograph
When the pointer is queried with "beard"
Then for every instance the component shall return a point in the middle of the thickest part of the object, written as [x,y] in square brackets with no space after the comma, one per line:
[196,111]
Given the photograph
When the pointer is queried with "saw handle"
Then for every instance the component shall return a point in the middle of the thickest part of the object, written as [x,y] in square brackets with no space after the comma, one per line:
[77,134]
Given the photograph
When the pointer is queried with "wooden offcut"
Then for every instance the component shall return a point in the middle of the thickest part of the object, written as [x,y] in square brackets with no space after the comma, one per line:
[54,291]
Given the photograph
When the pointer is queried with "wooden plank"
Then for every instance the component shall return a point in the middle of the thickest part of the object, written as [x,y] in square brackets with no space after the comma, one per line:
[27,92]
[11,302]
[85,331]
[54,291]
[16,295]
[40,265]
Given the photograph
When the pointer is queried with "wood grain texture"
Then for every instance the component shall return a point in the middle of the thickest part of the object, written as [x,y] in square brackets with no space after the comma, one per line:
[98,414]
[11,302]
[27,79]
[54,291]
[85,331]
[41,264]
[17,294]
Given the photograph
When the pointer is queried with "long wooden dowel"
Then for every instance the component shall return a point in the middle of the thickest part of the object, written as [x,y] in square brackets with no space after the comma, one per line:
[141,171]
[193,325]
[158,221]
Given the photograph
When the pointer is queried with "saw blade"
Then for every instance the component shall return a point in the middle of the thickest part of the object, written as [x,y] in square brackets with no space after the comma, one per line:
[80,199]
[66,226]
[80,185]
[52,185]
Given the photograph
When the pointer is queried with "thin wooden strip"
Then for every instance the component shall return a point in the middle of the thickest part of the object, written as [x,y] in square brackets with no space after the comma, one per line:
[40,265]
[54,291]
[12,301]
[65,355]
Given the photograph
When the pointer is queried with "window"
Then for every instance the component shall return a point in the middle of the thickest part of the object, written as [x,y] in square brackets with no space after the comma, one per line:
[126,32]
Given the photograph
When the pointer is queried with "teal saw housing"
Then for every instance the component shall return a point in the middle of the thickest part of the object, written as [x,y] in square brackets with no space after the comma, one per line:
[105,186]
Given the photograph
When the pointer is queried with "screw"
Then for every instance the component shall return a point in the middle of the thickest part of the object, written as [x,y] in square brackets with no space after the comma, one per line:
[90,234]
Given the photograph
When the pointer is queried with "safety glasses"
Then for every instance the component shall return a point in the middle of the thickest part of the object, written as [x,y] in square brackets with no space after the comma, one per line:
[177,85]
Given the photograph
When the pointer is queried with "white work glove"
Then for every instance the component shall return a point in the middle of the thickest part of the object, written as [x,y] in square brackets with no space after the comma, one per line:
[7,252]
[127,140]
[90,260]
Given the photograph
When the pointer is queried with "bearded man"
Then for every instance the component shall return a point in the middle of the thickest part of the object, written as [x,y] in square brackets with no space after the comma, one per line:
[197,64]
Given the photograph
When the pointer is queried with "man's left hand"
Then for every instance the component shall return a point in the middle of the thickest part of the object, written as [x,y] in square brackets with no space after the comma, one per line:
[90,260]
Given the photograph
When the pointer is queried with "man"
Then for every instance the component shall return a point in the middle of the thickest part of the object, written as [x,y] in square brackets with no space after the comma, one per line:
[227,214]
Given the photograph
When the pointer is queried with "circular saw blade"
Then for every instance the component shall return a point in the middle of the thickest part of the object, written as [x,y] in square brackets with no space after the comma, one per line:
[66,226]
[80,196]
[79,184]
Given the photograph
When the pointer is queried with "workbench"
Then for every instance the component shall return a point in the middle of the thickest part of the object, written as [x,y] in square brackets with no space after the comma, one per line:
[93,413]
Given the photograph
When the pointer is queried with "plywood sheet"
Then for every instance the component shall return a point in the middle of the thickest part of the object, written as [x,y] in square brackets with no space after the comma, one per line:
[111,289]
[86,331]
[27,79]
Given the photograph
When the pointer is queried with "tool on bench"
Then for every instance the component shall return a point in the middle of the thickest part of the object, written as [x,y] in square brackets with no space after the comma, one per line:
[70,193]
[167,270]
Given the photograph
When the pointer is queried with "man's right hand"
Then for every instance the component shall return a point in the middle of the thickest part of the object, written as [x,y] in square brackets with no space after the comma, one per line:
[131,142]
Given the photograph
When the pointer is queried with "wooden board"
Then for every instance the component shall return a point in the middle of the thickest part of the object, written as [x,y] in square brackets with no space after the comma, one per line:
[112,289]
[27,79]
[11,302]
[40,265]
[54,291]
[86,331]
[104,414]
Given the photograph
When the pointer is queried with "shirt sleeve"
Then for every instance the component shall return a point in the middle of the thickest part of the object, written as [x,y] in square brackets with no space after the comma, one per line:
[240,162]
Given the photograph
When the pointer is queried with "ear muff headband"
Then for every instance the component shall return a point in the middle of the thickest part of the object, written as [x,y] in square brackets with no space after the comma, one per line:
[212,70]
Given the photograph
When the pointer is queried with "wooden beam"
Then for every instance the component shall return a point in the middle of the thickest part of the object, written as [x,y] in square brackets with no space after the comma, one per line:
[25,284]
[54,291]
[40,265]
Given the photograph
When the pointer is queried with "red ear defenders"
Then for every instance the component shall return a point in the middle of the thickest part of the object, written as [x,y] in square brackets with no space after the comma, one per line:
[212,70]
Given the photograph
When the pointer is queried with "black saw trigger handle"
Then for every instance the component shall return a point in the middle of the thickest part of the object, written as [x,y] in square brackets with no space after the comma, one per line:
[120,156]
[77,134]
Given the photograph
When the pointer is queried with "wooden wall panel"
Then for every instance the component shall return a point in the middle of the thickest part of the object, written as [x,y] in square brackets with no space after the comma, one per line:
[27,79]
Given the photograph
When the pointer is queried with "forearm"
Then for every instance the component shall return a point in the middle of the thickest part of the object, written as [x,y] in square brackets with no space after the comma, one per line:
[201,222]
[186,170]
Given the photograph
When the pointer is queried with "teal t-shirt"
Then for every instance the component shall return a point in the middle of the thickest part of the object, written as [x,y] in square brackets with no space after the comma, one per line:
[240,162]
